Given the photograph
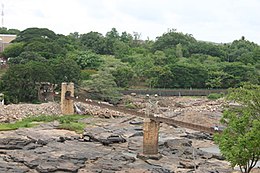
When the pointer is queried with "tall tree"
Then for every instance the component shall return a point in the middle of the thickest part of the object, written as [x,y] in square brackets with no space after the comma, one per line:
[93,41]
[31,34]
[172,39]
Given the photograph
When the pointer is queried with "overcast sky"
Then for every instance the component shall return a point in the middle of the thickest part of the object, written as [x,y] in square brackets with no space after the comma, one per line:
[209,20]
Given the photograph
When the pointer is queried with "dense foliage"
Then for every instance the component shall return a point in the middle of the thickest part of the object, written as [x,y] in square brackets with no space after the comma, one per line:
[173,60]
[4,30]
[240,141]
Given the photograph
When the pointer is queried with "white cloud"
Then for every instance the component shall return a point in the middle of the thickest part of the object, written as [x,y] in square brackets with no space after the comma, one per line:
[219,20]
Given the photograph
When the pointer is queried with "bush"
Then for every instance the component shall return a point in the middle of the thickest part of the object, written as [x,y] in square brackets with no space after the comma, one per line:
[215,96]
[102,87]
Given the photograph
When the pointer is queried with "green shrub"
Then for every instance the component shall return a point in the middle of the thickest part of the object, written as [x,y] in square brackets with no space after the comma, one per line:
[215,96]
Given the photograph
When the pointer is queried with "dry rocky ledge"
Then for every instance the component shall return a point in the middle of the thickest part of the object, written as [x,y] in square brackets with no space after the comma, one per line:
[107,146]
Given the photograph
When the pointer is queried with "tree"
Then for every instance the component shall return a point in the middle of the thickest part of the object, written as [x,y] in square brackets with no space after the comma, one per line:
[68,43]
[25,57]
[88,60]
[4,30]
[20,81]
[238,73]
[123,75]
[189,75]
[161,77]
[240,48]
[39,40]
[65,70]
[141,66]
[215,79]
[46,48]
[13,50]
[121,49]
[93,41]
[126,38]
[111,37]
[207,48]
[160,58]
[103,87]
[31,34]
[240,141]
[171,39]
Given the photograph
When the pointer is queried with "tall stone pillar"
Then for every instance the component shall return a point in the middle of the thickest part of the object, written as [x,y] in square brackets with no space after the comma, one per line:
[150,139]
[67,107]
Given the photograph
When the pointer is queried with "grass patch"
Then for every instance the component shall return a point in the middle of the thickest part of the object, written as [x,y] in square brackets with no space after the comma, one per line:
[78,127]
[215,96]
[68,122]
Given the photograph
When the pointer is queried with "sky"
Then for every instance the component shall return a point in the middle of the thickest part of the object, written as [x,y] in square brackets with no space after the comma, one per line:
[220,21]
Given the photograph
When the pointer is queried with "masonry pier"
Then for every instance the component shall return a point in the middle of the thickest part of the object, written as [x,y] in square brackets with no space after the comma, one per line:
[67,107]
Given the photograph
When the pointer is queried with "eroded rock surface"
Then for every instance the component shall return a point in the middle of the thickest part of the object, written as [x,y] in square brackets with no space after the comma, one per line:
[46,149]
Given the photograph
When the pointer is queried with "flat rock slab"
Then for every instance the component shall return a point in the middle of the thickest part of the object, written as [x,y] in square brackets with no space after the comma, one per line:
[44,149]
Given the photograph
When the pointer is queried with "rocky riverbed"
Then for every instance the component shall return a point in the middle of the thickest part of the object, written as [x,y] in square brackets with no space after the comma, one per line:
[111,141]
[46,149]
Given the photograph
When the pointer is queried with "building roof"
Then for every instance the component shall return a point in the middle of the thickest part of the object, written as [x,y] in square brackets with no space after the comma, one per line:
[5,38]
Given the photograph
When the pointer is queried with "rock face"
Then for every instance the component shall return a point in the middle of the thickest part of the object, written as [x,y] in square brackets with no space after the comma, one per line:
[45,149]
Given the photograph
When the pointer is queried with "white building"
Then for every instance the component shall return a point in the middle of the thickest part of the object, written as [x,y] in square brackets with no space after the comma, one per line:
[5,40]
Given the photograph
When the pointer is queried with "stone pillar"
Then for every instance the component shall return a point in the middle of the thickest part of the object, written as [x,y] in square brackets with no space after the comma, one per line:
[67,107]
[151,134]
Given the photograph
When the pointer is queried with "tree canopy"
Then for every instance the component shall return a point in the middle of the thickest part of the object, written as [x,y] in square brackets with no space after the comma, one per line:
[172,60]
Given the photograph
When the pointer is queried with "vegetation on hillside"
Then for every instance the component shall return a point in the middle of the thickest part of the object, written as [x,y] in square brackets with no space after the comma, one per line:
[173,60]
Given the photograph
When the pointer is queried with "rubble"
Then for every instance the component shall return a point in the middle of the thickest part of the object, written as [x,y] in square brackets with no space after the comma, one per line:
[198,110]
[14,112]
[97,111]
